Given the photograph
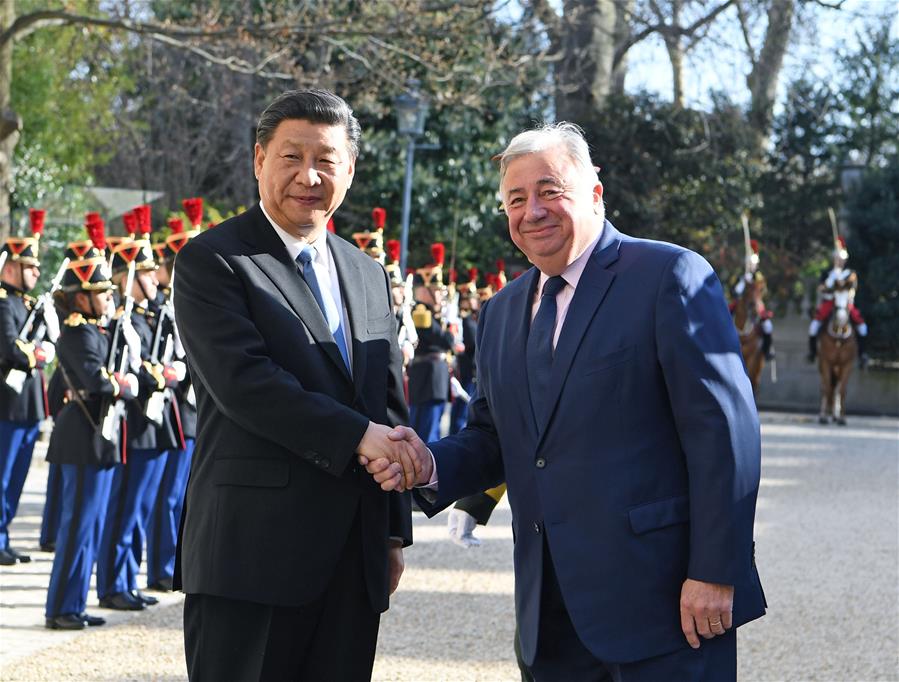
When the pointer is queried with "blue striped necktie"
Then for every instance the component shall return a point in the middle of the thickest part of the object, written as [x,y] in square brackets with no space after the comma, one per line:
[326,303]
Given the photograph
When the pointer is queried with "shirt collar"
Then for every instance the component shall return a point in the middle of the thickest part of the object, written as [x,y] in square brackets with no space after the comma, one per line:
[572,274]
[294,244]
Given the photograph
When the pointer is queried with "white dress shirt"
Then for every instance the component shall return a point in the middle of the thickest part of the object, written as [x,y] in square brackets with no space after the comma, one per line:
[324,272]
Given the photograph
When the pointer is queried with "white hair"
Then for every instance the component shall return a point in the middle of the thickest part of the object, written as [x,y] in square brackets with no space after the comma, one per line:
[568,135]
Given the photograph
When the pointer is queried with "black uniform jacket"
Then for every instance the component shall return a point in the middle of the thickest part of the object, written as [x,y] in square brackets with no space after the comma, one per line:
[83,348]
[465,361]
[429,370]
[274,486]
[27,406]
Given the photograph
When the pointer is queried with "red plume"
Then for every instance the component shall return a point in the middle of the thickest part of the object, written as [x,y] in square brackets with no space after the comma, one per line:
[96,232]
[453,275]
[144,219]
[472,274]
[378,217]
[194,210]
[130,221]
[500,265]
[37,216]
[393,250]
[518,274]
[754,245]
[176,225]
[330,224]
[842,242]
[438,253]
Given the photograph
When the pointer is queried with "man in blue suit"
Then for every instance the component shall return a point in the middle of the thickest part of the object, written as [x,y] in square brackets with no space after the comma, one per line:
[613,400]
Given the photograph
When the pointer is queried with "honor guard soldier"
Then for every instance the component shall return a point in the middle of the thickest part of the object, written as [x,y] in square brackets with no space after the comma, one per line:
[86,441]
[24,350]
[840,278]
[403,300]
[136,480]
[162,534]
[77,250]
[469,304]
[753,275]
[429,376]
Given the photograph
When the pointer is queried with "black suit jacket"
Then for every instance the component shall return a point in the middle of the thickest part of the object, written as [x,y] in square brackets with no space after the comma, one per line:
[274,486]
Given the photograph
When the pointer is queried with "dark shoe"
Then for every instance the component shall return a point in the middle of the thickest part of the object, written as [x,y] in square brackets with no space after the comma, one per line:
[122,601]
[48,547]
[67,621]
[7,558]
[93,621]
[21,558]
[164,585]
[145,599]
[812,348]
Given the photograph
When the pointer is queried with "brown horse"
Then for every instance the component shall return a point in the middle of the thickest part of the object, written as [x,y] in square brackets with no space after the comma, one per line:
[748,322]
[836,354]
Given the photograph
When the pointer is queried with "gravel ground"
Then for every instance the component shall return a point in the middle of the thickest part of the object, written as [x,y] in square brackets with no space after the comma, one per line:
[827,548]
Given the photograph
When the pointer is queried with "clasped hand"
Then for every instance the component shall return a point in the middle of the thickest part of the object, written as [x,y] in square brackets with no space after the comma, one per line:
[396,458]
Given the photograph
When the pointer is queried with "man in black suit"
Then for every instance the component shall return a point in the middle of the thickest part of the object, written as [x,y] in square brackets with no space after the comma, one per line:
[288,550]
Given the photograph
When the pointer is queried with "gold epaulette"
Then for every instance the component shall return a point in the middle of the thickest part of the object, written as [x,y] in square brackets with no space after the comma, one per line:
[422,317]
[118,313]
[75,320]
[3,293]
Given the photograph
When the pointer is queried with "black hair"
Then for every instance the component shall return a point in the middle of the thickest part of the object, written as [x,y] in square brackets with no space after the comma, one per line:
[313,105]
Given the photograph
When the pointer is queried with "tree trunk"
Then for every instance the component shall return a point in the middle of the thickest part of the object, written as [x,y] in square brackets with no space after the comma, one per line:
[624,9]
[10,123]
[584,75]
[675,56]
[763,78]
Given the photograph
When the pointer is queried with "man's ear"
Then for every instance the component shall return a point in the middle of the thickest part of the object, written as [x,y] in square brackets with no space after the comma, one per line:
[597,197]
[258,159]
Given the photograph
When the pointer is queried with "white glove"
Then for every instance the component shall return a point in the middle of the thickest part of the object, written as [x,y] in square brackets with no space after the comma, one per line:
[180,370]
[133,341]
[51,319]
[461,524]
[49,352]
[180,353]
[131,380]
[740,287]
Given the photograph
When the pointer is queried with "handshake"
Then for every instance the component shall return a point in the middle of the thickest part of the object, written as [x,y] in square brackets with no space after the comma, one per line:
[396,458]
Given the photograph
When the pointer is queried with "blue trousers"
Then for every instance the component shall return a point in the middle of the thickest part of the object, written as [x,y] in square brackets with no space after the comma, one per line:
[85,493]
[459,410]
[425,419]
[129,503]
[162,535]
[52,506]
[16,446]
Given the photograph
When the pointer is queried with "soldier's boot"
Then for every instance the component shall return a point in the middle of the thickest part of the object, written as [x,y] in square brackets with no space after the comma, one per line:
[812,348]
[767,350]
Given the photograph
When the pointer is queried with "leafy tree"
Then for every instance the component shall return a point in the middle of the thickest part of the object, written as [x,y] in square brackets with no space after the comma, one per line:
[874,249]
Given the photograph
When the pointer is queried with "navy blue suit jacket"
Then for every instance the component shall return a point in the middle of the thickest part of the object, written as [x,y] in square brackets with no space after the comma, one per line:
[644,472]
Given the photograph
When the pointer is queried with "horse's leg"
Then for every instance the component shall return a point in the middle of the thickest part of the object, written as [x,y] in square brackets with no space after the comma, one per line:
[826,391]
[847,363]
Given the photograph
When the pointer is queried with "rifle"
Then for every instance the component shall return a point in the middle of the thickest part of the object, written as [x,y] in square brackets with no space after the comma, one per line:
[115,411]
[15,378]
[744,218]
[158,399]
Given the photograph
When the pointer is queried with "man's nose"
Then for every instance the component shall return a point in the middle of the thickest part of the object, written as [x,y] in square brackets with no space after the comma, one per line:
[308,176]
[534,211]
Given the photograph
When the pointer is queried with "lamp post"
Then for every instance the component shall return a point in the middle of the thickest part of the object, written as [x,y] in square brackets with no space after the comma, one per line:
[411,110]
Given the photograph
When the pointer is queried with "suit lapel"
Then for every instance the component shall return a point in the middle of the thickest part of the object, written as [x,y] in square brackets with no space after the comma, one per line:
[271,258]
[591,290]
[352,290]
[520,319]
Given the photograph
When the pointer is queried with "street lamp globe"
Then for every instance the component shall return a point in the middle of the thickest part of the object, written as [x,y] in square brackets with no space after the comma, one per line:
[411,111]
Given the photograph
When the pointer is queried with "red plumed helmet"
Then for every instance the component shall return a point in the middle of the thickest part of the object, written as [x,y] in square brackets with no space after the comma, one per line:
[438,253]
[500,265]
[393,250]
[378,217]
[472,274]
[176,225]
[194,209]
[130,222]
[37,216]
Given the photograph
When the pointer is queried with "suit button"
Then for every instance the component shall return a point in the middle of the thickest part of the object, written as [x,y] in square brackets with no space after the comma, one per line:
[540,462]
[537,527]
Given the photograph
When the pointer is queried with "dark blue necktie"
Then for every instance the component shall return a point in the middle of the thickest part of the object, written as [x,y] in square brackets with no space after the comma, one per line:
[540,345]
[327,304]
